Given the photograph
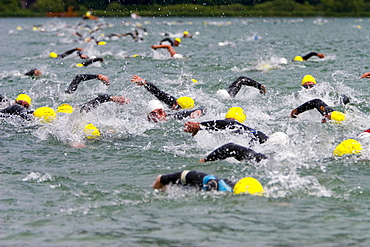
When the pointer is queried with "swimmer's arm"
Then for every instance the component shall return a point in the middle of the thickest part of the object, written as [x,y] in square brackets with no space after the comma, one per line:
[320,105]
[235,87]
[69,52]
[191,113]
[365,75]
[168,99]
[85,77]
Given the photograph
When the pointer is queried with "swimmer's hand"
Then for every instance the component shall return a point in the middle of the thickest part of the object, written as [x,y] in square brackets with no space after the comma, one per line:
[104,79]
[294,113]
[157,185]
[138,80]
[79,49]
[365,75]
[263,89]
[202,161]
[153,47]
[119,100]
[320,55]
[192,127]
[196,114]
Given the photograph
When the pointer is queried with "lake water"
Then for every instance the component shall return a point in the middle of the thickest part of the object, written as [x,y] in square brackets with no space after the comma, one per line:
[56,195]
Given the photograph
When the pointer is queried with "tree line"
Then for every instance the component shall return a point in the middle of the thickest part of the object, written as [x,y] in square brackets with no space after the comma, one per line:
[189,7]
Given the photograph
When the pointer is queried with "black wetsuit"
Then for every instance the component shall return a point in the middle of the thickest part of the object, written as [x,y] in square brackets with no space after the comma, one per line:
[320,105]
[235,126]
[93,60]
[94,103]
[76,81]
[235,87]
[31,72]
[305,57]
[63,55]
[194,179]
[168,99]
[185,114]
[232,150]
[17,110]
[167,40]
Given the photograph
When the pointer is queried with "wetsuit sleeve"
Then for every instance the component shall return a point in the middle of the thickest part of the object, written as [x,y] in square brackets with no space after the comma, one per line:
[94,103]
[184,114]
[235,87]
[193,178]
[231,150]
[90,61]
[76,81]
[305,57]
[31,72]
[166,40]
[237,128]
[168,99]
[17,110]
[67,53]
[320,105]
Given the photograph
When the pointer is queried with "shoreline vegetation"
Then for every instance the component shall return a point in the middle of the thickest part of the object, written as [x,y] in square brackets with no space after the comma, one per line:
[276,8]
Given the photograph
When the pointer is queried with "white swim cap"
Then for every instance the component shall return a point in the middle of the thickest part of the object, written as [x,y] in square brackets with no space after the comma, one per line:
[178,56]
[279,138]
[152,105]
[223,93]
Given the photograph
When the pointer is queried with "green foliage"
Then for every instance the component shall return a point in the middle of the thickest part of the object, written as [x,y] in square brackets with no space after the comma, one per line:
[116,7]
[43,6]
[8,6]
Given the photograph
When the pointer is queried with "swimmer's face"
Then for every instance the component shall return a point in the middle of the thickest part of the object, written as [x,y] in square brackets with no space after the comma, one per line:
[308,85]
[157,115]
[176,43]
[22,103]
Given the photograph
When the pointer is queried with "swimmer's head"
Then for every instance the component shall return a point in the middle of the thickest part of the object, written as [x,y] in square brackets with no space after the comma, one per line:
[308,81]
[249,185]
[349,146]
[53,54]
[102,43]
[79,65]
[178,56]
[46,114]
[24,100]
[155,111]
[177,41]
[337,116]
[185,102]
[91,131]
[298,58]
[153,105]
[65,108]
[236,113]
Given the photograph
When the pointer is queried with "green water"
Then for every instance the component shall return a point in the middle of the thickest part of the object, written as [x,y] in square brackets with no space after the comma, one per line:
[55,195]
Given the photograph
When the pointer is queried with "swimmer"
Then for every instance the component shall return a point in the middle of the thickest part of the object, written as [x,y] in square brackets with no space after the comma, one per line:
[186,35]
[90,61]
[203,181]
[84,77]
[63,55]
[183,102]
[156,113]
[232,150]
[306,57]
[19,108]
[34,72]
[170,49]
[233,121]
[235,87]
[327,112]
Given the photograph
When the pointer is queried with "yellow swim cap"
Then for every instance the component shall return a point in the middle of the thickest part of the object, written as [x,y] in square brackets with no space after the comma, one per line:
[102,43]
[79,65]
[349,146]
[337,116]
[185,102]
[249,185]
[53,54]
[186,32]
[236,113]
[308,78]
[91,131]
[178,40]
[194,80]
[24,97]
[47,114]
[298,58]
[65,108]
